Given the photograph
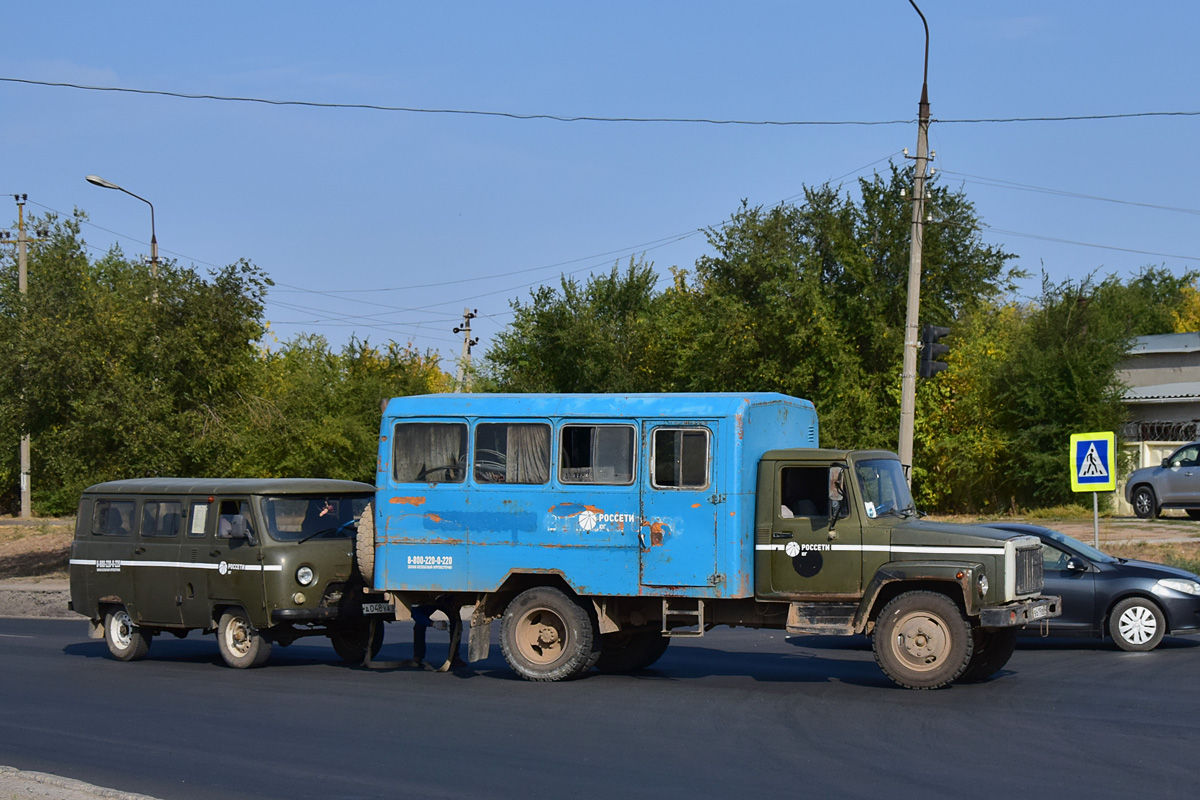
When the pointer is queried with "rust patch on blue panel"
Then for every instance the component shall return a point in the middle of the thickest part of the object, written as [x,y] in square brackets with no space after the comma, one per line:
[408,501]
[737,424]
[407,540]
[657,532]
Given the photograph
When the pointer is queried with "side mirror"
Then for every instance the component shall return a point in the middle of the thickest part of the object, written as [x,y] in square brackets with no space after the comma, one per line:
[1075,564]
[837,494]
[1166,462]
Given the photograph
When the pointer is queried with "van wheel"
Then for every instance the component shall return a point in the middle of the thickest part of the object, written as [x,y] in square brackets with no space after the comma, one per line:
[547,636]
[922,640]
[629,651]
[364,546]
[125,640]
[241,644]
[992,651]
[351,643]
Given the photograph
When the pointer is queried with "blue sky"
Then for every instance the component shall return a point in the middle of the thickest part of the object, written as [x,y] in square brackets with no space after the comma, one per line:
[401,220]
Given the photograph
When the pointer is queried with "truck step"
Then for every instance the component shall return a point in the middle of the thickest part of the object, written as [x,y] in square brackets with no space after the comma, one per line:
[694,617]
[830,619]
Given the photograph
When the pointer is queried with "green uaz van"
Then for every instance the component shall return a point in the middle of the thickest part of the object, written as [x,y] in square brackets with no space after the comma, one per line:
[258,562]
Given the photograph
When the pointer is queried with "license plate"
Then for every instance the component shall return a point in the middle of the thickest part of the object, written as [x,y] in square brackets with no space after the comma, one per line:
[377,608]
[1037,612]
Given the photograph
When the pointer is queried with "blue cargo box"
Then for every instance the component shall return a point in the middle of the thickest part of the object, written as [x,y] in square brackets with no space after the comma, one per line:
[621,495]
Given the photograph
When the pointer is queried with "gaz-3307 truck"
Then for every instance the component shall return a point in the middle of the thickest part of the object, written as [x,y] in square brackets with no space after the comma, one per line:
[596,528]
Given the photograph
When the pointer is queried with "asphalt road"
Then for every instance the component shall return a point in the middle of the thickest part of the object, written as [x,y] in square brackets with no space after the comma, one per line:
[737,714]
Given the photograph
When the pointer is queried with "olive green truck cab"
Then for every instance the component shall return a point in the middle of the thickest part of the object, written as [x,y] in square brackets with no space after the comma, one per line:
[842,543]
[258,562]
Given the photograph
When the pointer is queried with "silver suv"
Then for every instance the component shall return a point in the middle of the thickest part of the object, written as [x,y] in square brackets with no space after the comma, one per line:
[1173,484]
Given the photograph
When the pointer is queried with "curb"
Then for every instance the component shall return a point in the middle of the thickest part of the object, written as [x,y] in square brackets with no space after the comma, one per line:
[13,778]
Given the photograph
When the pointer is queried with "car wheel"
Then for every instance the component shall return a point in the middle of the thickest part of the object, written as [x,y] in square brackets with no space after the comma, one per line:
[1145,504]
[922,640]
[629,651]
[1137,624]
[125,640]
[351,643]
[241,644]
[547,636]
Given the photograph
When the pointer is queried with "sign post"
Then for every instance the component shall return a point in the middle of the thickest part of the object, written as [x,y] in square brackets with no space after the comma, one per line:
[1093,469]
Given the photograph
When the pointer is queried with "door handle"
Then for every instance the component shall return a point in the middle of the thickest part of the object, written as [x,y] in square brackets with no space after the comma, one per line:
[641,540]
[214,553]
[139,550]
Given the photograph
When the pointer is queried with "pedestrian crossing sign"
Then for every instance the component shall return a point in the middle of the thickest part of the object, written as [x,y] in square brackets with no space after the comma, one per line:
[1093,462]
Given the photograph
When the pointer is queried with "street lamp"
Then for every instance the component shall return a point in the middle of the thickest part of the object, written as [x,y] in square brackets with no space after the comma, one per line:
[96,180]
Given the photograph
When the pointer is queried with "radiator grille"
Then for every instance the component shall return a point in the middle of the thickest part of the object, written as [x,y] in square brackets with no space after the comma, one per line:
[1029,570]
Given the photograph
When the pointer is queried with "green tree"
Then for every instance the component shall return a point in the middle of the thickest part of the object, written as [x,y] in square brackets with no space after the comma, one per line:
[122,375]
[315,412]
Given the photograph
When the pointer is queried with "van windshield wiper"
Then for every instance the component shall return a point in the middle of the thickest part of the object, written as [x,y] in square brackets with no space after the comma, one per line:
[334,529]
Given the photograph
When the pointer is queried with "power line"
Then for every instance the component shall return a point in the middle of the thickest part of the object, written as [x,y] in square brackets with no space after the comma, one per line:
[1088,244]
[590,118]
[1003,184]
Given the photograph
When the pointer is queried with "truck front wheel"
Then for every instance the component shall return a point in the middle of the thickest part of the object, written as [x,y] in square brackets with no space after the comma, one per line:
[241,644]
[547,636]
[993,649]
[922,640]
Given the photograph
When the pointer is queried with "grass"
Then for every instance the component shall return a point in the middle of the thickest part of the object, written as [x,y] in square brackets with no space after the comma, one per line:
[1184,555]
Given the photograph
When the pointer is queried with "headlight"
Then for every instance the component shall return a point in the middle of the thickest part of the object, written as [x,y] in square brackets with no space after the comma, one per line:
[304,576]
[1180,585]
[983,585]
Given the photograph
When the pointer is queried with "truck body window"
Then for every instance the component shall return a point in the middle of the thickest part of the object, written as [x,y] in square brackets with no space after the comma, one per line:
[598,454]
[512,453]
[429,452]
[112,517]
[680,458]
[804,492]
[161,519]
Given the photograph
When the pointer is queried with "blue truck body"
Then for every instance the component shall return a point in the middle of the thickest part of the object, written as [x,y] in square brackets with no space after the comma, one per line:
[464,528]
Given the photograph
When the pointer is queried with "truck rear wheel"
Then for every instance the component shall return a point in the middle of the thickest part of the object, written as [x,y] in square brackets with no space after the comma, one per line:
[125,640]
[992,651]
[547,636]
[922,640]
[629,651]
[364,546]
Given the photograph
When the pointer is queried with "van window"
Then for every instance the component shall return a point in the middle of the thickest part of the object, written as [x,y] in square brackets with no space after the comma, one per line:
[112,517]
[234,517]
[680,458]
[161,518]
[293,518]
[197,519]
[429,452]
[598,454]
[512,453]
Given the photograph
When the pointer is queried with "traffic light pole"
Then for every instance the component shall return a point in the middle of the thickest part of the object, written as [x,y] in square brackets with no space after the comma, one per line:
[908,375]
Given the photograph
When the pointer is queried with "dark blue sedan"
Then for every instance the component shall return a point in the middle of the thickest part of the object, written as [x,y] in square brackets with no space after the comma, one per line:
[1135,602]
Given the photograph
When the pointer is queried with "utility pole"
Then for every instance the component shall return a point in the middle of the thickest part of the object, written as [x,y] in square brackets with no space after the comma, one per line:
[908,375]
[23,287]
[463,381]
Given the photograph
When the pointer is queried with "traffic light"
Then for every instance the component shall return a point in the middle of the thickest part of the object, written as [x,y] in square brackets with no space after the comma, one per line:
[931,350]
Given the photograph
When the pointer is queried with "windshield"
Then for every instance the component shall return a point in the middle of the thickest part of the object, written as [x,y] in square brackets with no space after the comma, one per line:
[297,517]
[1085,550]
[882,485]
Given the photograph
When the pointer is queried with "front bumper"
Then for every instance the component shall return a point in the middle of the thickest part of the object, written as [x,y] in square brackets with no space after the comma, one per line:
[1021,612]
